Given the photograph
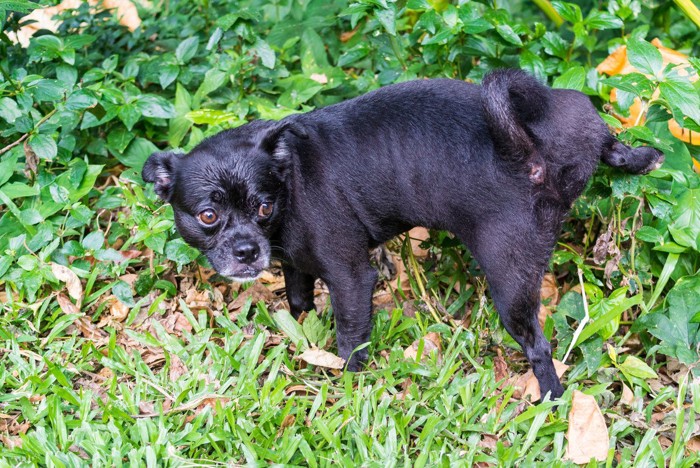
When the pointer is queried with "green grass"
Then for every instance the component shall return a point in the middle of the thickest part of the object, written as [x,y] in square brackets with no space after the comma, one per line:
[231,391]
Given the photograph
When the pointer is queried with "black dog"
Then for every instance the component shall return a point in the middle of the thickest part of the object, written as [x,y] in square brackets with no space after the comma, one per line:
[498,165]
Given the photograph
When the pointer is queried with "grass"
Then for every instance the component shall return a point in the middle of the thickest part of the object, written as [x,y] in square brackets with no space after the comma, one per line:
[177,386]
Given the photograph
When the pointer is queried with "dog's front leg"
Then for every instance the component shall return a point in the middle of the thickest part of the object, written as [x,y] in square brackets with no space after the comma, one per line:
[351,298]
[300,290]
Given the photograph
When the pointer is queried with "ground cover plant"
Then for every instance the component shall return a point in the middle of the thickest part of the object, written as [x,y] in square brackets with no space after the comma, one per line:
[119,346]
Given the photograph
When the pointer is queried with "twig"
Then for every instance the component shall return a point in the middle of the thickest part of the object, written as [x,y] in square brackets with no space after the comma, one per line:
[24,137]
[583,322]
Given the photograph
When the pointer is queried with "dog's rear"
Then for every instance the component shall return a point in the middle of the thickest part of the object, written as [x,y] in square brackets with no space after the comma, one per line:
[535,127]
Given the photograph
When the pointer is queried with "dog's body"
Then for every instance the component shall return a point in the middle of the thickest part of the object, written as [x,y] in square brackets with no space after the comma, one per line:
[497,165]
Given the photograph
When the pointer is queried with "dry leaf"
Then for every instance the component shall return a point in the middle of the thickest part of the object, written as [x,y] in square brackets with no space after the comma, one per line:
[288,421]
[500,366]
[431,342]
[66,305]
[588,433]
[11,442]
[693,444]
[627,396]
[256,291]
[489,441]
[118,310]
[31,160]
[67,276]
[322,358]
[177,368]
[527,383]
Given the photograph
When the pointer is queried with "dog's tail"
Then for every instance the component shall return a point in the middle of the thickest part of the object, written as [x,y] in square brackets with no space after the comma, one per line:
[511,100]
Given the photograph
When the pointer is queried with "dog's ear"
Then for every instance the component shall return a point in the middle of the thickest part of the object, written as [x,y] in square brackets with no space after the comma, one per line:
[159,170]
[272,140]
[639,160]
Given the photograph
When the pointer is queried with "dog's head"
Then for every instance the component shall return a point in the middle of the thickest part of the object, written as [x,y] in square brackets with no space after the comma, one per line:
[229,194]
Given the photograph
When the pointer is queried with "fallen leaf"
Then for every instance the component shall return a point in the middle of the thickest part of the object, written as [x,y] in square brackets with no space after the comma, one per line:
[322,358]
[693,444]
[527,384]
[73,285]
[627,397]
[177,368]
[66,305]
[11,442]
[257,292]
[489,441]
[500,366]
[288,421]
[588,434]
[549,292]
[431,342]
[299,389]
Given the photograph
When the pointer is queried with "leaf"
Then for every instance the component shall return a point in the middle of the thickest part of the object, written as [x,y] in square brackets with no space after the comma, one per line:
[155,106]
[643,56]
[678,335]
[573,78]
[322,358]
[587,434]
[291,328]
[263,50]
[186,49]
[637,368]
[607,311]
[507,33]
[124,293]
[93,241]
[9,110]
[67,276]
[680,93]
[44,146]
[527,384]
[423,347]
[179,252]
[211,117]
[685,227]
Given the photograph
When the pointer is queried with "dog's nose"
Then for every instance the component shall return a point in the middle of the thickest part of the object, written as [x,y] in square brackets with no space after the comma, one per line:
[246,251]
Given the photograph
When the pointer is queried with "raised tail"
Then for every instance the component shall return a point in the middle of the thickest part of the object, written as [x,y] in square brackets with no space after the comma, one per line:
[639,160]
[511,100]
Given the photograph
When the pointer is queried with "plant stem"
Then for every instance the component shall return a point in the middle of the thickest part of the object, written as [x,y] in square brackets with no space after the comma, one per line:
[549,10]
[689,9]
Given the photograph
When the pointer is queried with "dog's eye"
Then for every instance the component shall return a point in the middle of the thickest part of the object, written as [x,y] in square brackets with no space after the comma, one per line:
[208,217]
[265,210]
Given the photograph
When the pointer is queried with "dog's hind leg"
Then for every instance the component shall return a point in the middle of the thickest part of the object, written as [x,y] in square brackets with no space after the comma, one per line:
[514,256]
[300,290]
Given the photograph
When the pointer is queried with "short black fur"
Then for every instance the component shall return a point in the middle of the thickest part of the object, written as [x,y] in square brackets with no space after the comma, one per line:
[498,165]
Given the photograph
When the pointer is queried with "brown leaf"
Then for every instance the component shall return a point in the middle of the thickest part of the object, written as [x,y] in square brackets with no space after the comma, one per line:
[527,383]
[693,444]
[549,292]
[67,276]
[288,421]
[627,396]
[299,390]
[66,305]
[322,358]
[489,441]
[500,366]
[256,291]
[431,342]
[11,442]
[588,433]
[118,310]
[177,368]
[32,161]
